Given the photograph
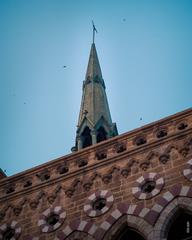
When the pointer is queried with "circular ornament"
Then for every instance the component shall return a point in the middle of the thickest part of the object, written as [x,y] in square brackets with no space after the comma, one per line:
[148,186]
[51,219]
[98,203]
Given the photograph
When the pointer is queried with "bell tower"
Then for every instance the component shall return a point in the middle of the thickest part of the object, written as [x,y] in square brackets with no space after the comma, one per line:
[95,123]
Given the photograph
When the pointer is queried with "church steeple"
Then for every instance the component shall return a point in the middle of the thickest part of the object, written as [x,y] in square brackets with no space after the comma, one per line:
[94,124]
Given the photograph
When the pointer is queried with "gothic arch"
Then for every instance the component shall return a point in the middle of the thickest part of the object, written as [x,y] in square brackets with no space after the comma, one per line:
[136,224]
[101,134]
[127,212]
[86,137]
[177,190]
[168,216]
[87,227]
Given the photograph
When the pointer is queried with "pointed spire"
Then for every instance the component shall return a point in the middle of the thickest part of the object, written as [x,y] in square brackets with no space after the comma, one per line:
[93,68]
[94,103]
[94,124]
[94,30]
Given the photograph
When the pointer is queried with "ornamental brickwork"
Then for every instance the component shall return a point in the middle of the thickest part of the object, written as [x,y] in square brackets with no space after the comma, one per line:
[139,179]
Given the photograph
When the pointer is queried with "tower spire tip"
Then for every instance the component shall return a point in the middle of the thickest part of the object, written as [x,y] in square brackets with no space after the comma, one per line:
[94,30]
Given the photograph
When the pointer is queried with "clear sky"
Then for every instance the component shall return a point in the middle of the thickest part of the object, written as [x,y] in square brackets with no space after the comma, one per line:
[145,53]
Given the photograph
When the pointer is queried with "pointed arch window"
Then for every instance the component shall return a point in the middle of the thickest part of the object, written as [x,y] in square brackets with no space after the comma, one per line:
[101,134]
[86,137]
[180,228]
[129,233]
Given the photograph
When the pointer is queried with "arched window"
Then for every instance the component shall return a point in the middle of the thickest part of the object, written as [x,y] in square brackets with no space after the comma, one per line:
[86,138]
[130,233]
[180,227]
[101,134]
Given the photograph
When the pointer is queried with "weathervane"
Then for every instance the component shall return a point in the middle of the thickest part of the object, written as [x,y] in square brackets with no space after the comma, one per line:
[94,30]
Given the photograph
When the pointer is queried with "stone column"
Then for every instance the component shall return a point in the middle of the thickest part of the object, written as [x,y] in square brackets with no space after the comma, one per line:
[93,135]
[79,143]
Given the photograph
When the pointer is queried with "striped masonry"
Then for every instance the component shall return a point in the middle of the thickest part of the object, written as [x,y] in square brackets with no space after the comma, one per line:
[13,225]
[187,171]
[77,225]
[137,188]
[44,225]
[88,208]
[177,190]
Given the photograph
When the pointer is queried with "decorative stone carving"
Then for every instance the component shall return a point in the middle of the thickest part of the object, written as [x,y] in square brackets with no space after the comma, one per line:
[140,140]
[107,178]
[27,183]
[148,186]
[44,175]
[182,125]
[164,158]
[101,155]
[70,190]
[144,165]
[51,219]
[81,162]
[98,203]
[10,189]
[125,171]
[63,168]
[34,203]
[186,147]
[161,132]
[88,181]
[120,147]
[18,208]
[184,151]
[51,198]
[87,186]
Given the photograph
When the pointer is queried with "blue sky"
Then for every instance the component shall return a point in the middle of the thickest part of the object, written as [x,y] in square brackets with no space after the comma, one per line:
[145,52]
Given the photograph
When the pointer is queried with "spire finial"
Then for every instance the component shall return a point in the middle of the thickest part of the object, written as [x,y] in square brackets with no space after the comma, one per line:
[94,30]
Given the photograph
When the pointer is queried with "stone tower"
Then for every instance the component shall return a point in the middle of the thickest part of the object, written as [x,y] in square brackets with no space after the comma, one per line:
[94,124]
[137,185]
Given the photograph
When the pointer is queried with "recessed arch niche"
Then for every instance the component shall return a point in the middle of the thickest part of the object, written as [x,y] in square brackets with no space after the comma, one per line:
[101,134]
[86,137]
[129,233]
[129,227]
[180,225]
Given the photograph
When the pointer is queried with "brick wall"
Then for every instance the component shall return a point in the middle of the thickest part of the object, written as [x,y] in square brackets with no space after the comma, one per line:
[136,175]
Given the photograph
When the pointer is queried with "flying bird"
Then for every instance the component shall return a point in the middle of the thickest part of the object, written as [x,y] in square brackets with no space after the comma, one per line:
[64,66]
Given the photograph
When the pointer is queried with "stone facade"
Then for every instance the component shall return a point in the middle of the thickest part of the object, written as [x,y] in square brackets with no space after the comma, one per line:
[138,179]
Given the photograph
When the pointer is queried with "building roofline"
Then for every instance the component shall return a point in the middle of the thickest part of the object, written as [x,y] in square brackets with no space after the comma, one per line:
[99,146]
